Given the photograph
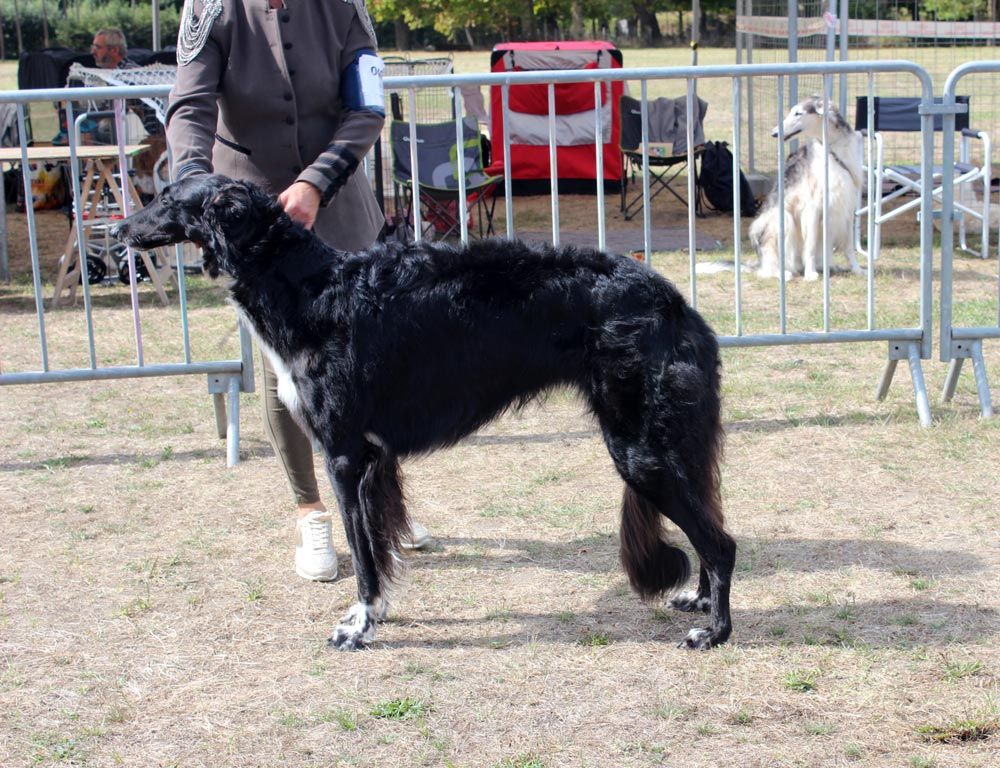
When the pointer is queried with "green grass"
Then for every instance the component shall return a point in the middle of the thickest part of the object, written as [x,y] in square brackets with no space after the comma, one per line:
[595,640]
[255,590]
[743,717]
[399,709]
[801,680]
[57,748]
[669,711]
[956,670]
[961,730]
[522,761]
[348,721]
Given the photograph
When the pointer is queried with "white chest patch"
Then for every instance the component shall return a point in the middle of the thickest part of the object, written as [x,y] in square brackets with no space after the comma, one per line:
[287,392]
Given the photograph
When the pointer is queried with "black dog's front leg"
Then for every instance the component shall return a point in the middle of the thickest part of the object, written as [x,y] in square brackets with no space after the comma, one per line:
[356,628]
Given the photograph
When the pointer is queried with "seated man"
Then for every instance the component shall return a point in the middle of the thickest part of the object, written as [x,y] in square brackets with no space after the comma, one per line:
[110,51]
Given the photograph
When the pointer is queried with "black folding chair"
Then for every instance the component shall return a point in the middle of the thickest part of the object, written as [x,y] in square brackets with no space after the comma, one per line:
[667,142]
[895,114]
[438,181]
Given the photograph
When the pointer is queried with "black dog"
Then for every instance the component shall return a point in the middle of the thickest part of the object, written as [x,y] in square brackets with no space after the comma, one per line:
[403,349]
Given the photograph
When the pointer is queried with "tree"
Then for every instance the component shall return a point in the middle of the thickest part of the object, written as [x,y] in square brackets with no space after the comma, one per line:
[957,10]
[576,24]
[645,13]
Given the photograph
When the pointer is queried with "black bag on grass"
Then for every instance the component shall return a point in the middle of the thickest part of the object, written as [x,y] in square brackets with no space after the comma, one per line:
[715,181]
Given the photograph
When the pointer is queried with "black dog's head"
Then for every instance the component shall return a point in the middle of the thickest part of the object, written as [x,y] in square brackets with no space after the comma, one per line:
[218,214]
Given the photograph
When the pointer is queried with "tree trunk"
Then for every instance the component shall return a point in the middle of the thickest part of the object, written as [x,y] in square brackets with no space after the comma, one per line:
[651,34]
[528,21]
[17,27]
[576,24]
[402,30]
[45,25]
[468,38]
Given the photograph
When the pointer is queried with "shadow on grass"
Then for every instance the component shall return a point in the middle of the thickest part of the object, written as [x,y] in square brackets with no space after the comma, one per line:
[915,619]
[901,624]
[757,558]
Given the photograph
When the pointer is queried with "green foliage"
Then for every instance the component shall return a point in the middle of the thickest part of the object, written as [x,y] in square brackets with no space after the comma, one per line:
[72,23]
[955,10]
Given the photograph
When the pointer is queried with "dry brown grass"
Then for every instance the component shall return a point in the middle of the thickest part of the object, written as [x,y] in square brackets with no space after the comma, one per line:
[149,614]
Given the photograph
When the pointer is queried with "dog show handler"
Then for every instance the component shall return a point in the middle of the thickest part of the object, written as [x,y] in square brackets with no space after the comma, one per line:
[287,95]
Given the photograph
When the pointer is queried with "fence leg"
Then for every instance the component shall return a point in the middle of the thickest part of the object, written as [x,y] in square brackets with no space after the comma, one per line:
[886,379]
[972,349]
[219,401]
[233,435]
[951,380]
[919,387]
[982,383]
[223,388]
[910,353]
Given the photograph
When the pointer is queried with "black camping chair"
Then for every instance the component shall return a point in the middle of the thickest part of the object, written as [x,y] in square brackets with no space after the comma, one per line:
[438,186]
[667,142]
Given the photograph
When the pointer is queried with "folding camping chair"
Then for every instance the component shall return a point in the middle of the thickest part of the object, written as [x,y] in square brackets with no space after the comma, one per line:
[667,142]
[890,182]
[438,185]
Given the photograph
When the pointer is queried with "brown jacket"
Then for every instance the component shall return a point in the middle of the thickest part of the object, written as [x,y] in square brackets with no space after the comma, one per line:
[258,98]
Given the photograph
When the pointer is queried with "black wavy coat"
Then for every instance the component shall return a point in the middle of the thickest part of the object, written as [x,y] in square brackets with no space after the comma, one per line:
[400,350]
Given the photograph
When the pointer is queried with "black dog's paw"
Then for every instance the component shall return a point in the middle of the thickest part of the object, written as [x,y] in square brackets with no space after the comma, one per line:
[356,629]
[346,641]
[698,640]
[691,602]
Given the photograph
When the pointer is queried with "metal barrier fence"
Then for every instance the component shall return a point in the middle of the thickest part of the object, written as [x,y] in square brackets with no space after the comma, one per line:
[910,342]
[226,378]
[958,341]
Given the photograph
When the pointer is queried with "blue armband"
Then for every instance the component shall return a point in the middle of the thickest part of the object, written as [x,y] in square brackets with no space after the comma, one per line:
[361,83]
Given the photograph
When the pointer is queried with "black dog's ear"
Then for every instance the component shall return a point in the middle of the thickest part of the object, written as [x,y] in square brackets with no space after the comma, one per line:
[229,207]
[227,213]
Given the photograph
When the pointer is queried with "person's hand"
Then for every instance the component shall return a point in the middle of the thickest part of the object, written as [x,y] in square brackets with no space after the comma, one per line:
[301,202]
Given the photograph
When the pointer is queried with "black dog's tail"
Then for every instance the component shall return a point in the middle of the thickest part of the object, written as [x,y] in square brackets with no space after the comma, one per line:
[653,565]
[673,470]
[383,511]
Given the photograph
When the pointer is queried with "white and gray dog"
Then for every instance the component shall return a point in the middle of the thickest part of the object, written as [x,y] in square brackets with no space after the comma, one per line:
[803,199]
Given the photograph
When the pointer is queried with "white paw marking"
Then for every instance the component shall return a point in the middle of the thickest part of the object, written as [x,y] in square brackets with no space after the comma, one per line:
[689,601]
[697,639]
[356,629]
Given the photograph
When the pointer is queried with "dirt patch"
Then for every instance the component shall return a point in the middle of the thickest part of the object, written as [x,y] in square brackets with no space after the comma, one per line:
[53,230]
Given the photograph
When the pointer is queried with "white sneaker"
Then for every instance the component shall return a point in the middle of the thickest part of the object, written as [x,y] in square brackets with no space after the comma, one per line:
[315,558]
[417,537]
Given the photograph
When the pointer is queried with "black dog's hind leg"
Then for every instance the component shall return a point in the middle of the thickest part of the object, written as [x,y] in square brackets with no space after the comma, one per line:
[370,495]
[694,600]
[663,491]
[664,433]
